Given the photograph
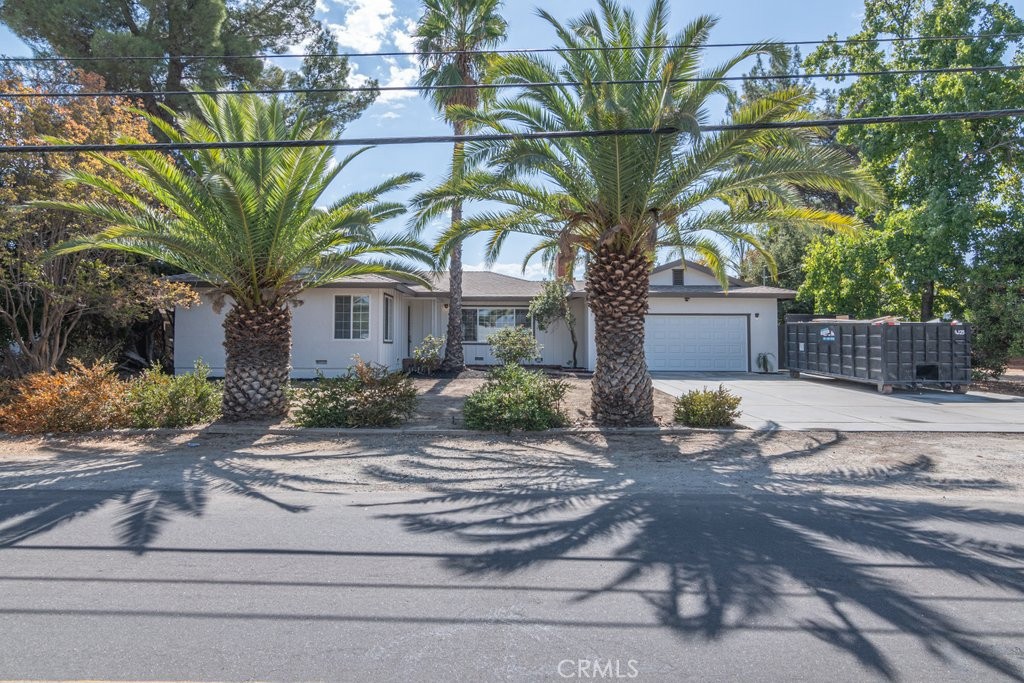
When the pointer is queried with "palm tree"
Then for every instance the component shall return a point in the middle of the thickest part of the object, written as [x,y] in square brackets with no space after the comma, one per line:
[448,38]
[246,220]
[615,200]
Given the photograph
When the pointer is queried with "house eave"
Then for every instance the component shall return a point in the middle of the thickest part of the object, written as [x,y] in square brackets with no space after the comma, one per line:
[732,294]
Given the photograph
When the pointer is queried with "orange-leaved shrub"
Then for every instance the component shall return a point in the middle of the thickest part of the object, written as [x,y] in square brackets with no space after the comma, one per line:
[79,400]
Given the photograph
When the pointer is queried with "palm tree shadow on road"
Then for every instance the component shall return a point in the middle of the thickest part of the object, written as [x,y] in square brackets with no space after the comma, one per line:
[730,553]
[724,529]
[171,480]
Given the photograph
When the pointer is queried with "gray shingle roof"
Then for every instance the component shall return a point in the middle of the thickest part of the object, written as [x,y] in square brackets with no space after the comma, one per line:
[486,285]
[359,281]
[482,284]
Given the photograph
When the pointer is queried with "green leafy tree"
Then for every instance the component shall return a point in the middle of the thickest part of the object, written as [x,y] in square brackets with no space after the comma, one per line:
[786,245]
[447,35]
[181,44]
[247,221]
[939,176]
[619,198]
[852,275]
[551,306]
[49,308]
[995,299]
[761,79]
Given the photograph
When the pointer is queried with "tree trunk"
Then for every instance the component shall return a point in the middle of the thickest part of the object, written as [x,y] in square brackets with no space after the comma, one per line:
[575,346]
[617,287]
[454,359]
[928,301]
[258,343]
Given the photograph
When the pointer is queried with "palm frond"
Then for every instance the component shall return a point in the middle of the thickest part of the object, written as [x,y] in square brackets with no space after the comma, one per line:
[246,219]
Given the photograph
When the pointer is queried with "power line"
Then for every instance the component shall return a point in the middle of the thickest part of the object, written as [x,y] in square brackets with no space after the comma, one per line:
[511,51]
[130,94]
[507,137]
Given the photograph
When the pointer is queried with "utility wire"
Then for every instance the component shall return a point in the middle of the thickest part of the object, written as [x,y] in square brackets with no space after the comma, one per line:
[522,51]
[506,137]
[999,68]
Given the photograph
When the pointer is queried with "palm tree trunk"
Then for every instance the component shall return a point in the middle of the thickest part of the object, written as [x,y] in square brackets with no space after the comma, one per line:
[258,342]
[454,359]
[617,289]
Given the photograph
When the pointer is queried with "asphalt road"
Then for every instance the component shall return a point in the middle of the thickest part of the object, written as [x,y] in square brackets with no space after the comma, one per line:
[531,583]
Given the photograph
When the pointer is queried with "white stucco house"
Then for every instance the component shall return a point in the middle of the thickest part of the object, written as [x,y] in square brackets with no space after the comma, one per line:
[694,324]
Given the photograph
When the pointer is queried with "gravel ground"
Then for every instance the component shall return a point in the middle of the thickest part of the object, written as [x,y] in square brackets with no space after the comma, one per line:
[904,464]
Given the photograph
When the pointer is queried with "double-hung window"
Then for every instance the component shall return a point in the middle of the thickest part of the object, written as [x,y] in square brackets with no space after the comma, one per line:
[351,317]
[478,324]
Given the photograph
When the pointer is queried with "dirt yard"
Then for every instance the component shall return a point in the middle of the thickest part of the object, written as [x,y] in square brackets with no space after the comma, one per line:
[440,403]
[827,463]
[1011,382]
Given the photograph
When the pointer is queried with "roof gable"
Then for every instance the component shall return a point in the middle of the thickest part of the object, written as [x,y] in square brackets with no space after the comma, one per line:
[704,270]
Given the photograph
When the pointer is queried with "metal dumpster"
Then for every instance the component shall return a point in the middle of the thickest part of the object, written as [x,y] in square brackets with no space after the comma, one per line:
[887,354]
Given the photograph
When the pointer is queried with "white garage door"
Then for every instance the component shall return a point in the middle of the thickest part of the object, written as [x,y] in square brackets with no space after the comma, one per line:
[692,343]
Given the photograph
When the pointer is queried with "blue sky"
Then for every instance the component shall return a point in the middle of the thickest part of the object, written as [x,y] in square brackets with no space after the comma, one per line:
[375,25]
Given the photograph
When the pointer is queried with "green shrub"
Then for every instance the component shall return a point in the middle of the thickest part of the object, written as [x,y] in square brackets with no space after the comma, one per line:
[707,408]
[514,345]
[516,398]
[82,399]
[427,356]
[156,399]
[368,396]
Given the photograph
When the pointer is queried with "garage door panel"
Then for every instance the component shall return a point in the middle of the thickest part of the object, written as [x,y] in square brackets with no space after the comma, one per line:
[697,343]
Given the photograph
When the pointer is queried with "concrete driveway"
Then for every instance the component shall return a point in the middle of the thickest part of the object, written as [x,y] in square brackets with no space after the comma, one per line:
[780,402]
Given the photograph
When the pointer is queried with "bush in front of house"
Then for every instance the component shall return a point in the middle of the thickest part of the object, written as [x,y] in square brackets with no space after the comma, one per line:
[514,345]
[516,398]
[427,356]
[370,395]
[156,399]
[87,398]
[81,399]
[708,408]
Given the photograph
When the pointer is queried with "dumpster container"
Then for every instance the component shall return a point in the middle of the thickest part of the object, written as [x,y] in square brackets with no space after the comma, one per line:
[887,354]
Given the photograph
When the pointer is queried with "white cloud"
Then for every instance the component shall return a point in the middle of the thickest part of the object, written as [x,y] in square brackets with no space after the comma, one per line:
[300,48]
[389,115]
[399,76]
[366,24]
[402,37]
[366,27]
[534,271]
[356,79]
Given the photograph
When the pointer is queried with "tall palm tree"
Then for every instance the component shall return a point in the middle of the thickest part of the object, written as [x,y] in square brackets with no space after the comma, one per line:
[615,200]
[246,220]
[448,38]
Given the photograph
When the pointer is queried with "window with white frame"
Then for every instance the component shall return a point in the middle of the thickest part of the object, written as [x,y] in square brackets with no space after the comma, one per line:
[389,318]
[478,324]
[351,317]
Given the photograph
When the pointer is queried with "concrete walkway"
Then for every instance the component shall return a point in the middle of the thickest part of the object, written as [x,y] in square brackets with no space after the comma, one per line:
[779,402]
